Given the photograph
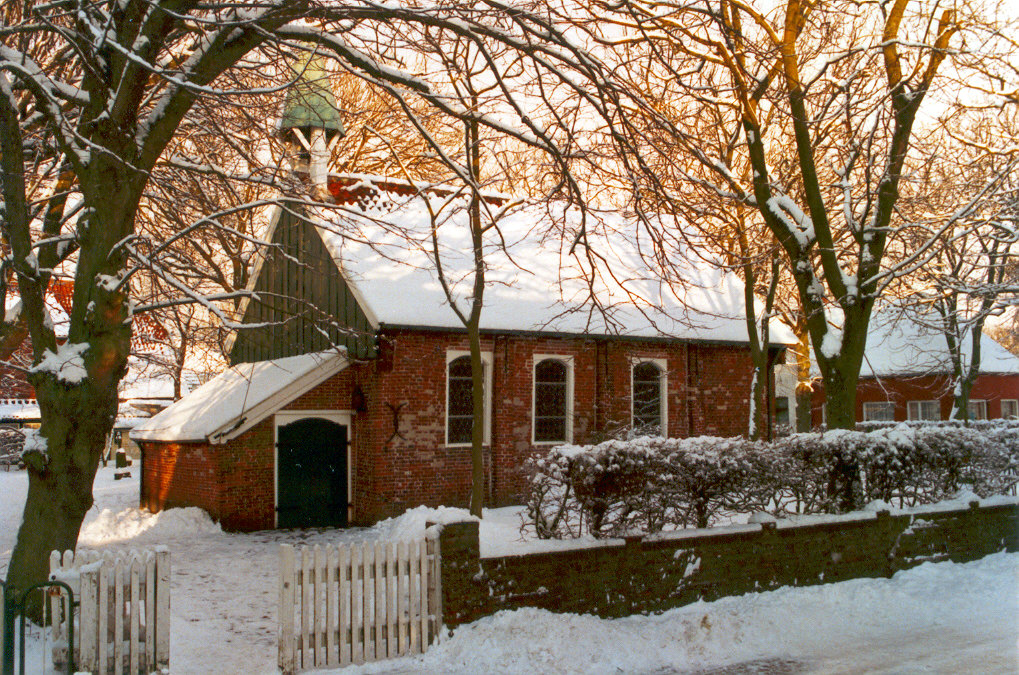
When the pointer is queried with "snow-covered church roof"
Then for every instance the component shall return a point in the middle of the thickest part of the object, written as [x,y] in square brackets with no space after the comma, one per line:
[902,347]
[239,398]
[381,241]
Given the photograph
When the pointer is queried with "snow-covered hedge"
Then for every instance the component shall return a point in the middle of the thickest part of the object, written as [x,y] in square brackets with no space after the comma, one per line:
[648,484]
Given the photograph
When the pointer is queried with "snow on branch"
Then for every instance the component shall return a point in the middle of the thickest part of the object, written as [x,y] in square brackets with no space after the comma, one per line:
[66,364]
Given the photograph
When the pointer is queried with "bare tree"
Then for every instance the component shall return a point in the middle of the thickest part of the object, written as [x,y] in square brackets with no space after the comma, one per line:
[819,101]
[92,99]
[966,200]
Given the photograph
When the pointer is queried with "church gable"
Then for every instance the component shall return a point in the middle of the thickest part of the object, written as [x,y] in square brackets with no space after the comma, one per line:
[301,303]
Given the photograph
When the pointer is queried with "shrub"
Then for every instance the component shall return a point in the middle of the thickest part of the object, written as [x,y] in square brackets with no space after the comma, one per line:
[650,483]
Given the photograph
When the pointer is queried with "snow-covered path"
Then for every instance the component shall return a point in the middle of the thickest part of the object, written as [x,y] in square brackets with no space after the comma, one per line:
[943,618]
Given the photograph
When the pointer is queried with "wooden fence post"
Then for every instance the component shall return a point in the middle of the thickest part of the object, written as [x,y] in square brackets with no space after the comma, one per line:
[150,611]
[162,608]
[286,609]
[434,586]
[88,658]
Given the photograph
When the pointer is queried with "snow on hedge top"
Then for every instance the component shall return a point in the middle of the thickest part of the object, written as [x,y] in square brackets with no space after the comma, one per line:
[905,347]
[236,400]
[534,282]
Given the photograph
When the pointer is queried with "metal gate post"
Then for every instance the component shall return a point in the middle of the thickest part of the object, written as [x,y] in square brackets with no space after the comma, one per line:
[7,630]
[14,607]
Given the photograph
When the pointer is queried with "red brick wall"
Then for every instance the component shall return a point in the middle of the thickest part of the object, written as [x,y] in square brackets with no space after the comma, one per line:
[720,378]
[180,474]
[417,467]
[399,458]
[663,571]
[901,390]
[247,474]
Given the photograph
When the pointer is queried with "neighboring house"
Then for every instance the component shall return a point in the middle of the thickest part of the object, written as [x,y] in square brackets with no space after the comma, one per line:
[299,433]
[140,396]
[906,375]
[18,406]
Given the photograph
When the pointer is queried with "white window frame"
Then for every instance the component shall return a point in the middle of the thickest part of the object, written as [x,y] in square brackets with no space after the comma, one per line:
[486,366]
[567,359]
[1014,404]
[980,404]
[914,411]
[663,391]
[884,405]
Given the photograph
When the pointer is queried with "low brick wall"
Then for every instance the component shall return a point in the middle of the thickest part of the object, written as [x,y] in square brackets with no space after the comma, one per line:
[662,571]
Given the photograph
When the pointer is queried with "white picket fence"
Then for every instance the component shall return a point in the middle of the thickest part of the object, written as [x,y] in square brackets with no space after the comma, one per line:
[356,603]
[123,620]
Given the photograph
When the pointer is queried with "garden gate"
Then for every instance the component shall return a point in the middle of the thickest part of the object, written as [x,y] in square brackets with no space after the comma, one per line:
[55,598]
[123,618]
[356,603]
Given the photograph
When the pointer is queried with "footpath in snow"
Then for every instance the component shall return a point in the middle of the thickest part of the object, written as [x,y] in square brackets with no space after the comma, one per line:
[935,618]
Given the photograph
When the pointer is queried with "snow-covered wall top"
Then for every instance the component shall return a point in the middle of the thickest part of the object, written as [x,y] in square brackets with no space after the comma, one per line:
[237,399]
[19,409]
[904,347]
[613,286]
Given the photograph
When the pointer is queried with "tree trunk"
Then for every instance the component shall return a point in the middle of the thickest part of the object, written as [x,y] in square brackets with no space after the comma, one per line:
[757,403]
[75,426]
[844,487]
[77,414]
[963,387]
[840,401]
[478,427]
[473,323]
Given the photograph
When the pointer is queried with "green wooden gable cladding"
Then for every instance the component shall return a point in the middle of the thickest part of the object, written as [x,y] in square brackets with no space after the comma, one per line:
[301,302]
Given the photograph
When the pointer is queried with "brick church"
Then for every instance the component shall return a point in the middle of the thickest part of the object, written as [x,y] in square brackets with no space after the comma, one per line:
[349,396]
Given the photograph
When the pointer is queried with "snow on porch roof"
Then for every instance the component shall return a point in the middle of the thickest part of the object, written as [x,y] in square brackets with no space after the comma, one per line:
[381,242]
[239,398]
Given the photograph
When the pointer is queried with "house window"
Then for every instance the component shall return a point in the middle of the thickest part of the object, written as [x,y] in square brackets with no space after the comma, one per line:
[459,404]
[879,411]
[923,410]
[1009,409]
[649,396]
[553,399]
[977,409]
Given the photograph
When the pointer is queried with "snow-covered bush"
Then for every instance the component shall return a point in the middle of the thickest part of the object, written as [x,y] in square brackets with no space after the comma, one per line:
[648,484]
[642,485]
[923,462]
[599,489]
[708,478]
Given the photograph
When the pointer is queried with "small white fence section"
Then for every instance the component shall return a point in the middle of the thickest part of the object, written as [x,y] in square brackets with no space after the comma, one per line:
[356,603]
[123,621]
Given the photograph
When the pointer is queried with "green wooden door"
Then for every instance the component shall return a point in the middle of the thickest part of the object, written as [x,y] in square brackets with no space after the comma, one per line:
[311,474]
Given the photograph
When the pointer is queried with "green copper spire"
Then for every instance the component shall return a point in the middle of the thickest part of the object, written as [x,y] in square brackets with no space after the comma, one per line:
[310,101]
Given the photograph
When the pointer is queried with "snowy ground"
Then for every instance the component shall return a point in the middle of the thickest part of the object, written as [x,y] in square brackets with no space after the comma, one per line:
[943,618]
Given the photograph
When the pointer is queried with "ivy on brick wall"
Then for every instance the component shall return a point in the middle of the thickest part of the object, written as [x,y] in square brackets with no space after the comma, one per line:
[649,484]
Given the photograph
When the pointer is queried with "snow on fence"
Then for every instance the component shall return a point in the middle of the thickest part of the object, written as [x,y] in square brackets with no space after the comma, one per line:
[123,621]
[357,603]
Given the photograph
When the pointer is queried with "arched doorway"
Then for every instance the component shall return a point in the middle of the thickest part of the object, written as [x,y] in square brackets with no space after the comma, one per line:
[312,478]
